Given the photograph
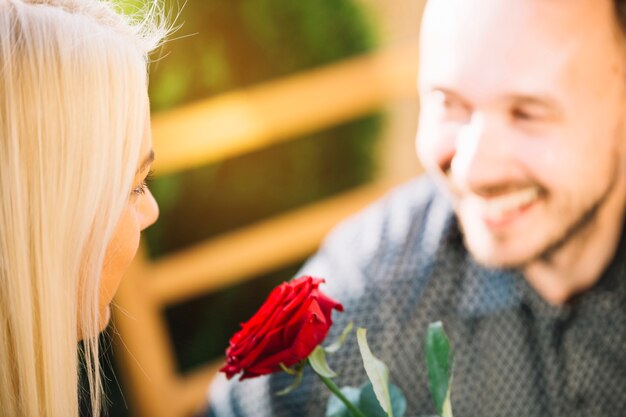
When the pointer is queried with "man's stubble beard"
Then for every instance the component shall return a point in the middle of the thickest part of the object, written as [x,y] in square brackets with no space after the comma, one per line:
[582,224]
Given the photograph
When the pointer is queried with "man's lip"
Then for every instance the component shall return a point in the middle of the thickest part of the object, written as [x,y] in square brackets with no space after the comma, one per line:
[501,210]
[510,217]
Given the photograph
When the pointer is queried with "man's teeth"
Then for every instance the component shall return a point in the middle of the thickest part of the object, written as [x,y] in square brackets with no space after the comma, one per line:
[498,207]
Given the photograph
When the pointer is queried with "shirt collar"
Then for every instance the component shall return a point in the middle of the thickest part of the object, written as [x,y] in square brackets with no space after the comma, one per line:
[485,291]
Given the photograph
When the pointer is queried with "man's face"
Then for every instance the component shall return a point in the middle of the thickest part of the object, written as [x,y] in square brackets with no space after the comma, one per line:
[522,118]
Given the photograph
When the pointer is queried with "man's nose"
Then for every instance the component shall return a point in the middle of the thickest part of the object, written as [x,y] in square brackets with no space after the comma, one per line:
[482,157]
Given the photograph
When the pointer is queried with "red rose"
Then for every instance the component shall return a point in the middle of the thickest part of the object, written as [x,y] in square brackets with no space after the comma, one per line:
[294,319]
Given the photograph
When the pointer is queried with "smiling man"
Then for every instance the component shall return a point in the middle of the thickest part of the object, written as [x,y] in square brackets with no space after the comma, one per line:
[515,239]
[523,118]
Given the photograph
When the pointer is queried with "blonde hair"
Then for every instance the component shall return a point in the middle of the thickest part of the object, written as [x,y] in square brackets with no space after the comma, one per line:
[73,107]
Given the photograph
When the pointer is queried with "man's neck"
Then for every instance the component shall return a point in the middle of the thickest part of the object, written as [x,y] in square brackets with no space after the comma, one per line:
[579,264]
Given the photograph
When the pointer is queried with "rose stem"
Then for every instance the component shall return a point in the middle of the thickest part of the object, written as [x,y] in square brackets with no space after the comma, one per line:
[335,390]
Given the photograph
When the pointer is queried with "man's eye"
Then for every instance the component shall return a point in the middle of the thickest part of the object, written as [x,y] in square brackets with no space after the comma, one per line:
[519,114]
[455,110]
[450,108]
[527,115]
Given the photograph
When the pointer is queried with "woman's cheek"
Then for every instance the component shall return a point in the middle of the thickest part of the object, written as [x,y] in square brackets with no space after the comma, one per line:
[119,255]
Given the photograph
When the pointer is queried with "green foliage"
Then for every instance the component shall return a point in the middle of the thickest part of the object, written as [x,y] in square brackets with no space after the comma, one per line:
[370,405]
[213,199]
[226,44]
[439,360]
[337,408]
[318,362]
[337,344]
[377,372]
[297,372]
[365,400]
[380,398]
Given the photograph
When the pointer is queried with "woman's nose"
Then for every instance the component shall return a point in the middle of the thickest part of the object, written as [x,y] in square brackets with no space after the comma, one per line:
[148,210]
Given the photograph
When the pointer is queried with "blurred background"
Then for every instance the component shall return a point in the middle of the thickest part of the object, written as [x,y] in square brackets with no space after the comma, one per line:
[272,121]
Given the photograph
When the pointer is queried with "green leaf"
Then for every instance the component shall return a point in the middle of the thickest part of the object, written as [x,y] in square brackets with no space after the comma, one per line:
[291,371]
[336,408]
[365,400]
[368,403]
[446,410]
[337,344]
[317,359]
[439,358]
[377,372]
[295,384]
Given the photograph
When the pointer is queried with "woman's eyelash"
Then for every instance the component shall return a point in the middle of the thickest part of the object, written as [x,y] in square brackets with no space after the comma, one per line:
[149,177]
[141,189]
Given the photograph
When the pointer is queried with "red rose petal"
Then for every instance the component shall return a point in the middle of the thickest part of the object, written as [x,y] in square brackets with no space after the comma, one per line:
[294,319]
[312,333]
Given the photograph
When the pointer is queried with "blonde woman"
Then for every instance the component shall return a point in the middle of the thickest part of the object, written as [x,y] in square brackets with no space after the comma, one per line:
[75,149]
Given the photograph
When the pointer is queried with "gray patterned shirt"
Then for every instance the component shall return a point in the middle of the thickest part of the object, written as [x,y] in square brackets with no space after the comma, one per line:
[401,264]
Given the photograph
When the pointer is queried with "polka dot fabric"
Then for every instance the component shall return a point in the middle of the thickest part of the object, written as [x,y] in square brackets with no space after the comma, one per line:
[400,265]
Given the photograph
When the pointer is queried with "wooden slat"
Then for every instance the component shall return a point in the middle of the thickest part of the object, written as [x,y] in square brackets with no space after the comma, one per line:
[191,390]
[144,346]
[217,129]
[234,123]
[257,249]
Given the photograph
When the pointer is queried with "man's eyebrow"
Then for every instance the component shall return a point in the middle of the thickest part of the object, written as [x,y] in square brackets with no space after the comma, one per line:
[542,100]
[146,162]
[446,91]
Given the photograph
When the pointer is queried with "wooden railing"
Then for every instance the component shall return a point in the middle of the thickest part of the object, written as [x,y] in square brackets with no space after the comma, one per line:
[220,128]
